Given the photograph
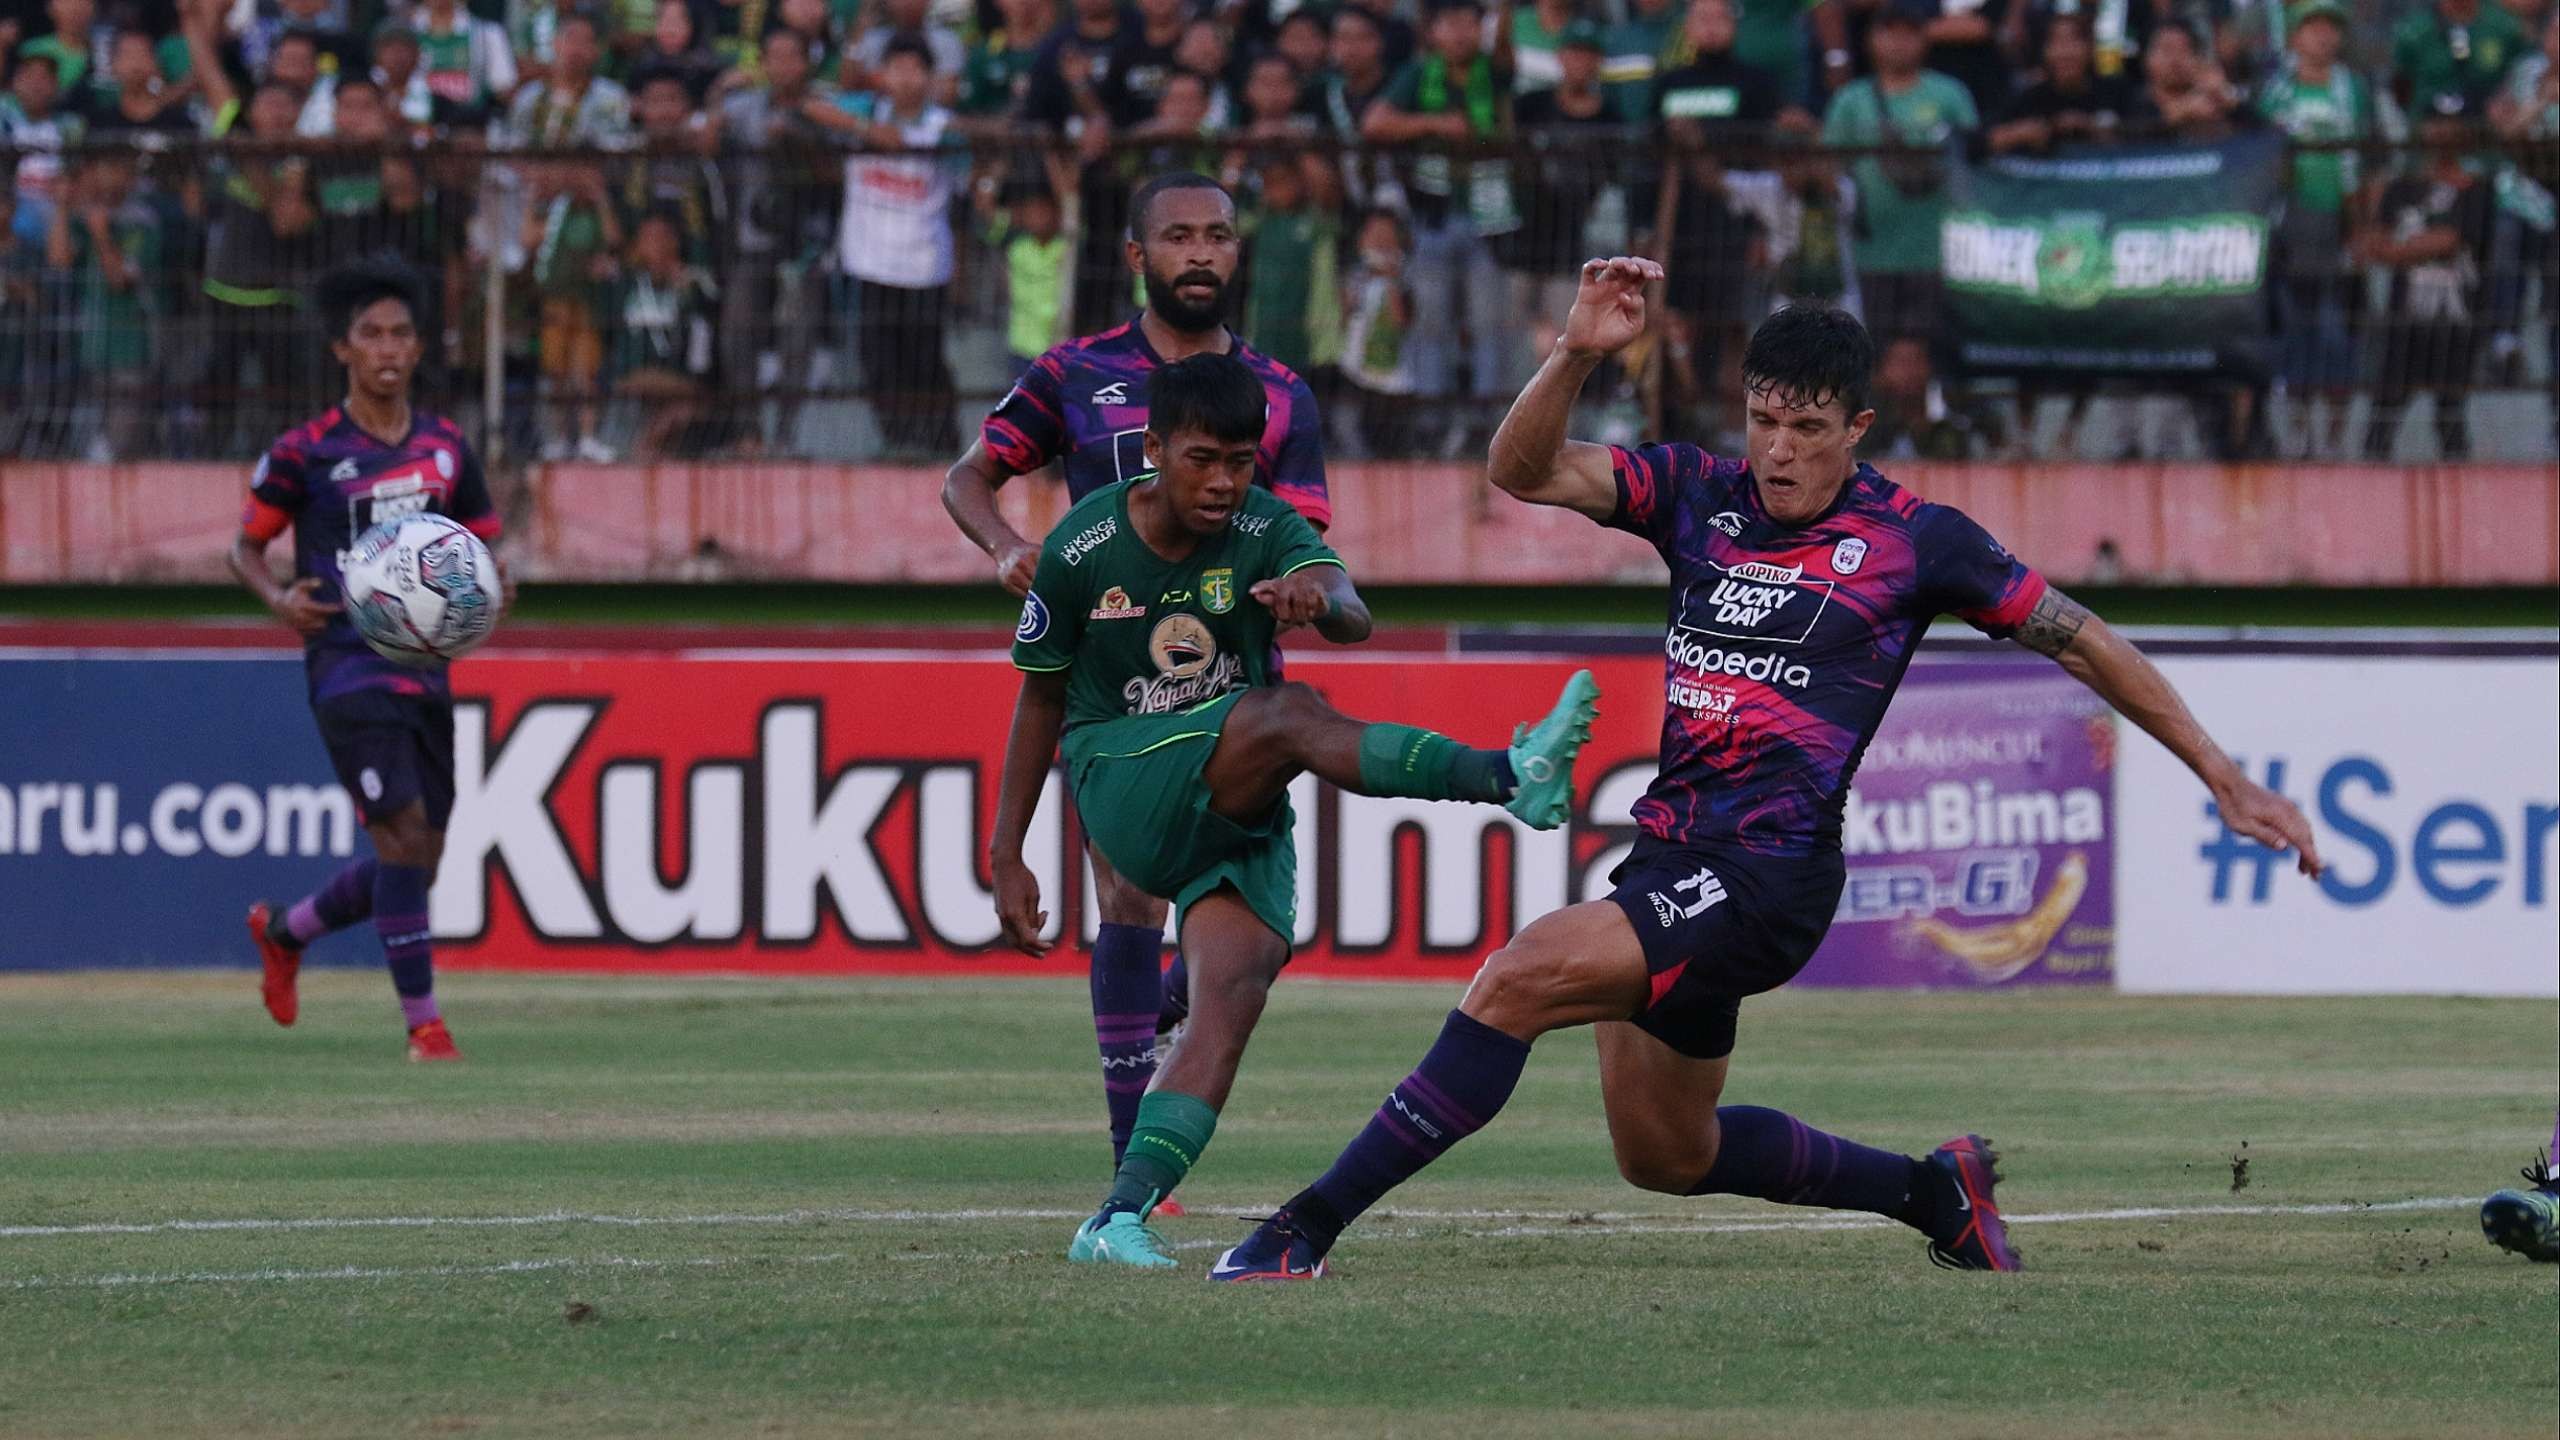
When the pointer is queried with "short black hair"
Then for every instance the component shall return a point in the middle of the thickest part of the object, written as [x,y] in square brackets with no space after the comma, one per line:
[1209,394]
[907,43]
[1810,355]
[349,290]
[1145,198]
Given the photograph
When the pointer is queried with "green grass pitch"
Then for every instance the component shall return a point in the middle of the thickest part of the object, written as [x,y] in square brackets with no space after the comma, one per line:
[840,1208]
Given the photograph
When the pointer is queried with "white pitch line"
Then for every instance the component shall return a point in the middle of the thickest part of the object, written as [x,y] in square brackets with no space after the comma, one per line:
[417,1272]
[1566,1221]
[1592,1225]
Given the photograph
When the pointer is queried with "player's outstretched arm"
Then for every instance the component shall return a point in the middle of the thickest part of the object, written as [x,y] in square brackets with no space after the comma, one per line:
[1532,460]
[1319,595]
[969,493]
[1038,716]
[2106,662]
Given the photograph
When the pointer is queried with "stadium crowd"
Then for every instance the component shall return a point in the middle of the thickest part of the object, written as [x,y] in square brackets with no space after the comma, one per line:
[641,209]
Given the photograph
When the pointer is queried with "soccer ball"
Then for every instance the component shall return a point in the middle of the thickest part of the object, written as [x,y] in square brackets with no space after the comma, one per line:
[421,589]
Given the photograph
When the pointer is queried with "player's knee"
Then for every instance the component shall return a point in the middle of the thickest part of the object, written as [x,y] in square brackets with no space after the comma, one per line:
[1122,903]
[408,840]
[1661,1174]
[1521,989]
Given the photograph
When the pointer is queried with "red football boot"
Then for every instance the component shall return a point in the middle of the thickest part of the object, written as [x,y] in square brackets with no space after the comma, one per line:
[432,1041]
[282,963]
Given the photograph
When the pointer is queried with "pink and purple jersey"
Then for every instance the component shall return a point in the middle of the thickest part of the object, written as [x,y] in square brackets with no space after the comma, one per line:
[332,480]
[1786,643]
[1086,400]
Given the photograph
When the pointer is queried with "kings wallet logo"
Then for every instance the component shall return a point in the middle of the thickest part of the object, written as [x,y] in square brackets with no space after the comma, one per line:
[1115,605]
[1218,590]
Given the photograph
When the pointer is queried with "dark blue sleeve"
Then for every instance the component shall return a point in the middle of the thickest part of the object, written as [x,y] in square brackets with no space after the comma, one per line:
[1651,480]
[1966,573]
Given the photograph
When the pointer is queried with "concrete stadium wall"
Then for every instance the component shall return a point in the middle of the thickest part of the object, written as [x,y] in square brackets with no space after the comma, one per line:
[1398,523]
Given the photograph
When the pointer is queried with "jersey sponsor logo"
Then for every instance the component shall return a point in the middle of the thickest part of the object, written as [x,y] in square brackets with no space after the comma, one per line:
[1251,524]
[1848,555]
[1174,597]
[1728,521]
[258,476]
[1035,619]
[1705,892]
[1755,601]
[1116,606]
[1074,551]
[1706,702]
[345,471]
[1115,393]
[1189,668]
[1716,660]
[444,463]
[395,495]
[1218,590]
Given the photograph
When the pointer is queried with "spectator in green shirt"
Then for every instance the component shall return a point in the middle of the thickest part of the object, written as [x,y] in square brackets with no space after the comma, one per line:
[662,344]
[76,44]
[2316,98]
[999,65]
[1033,232]
[1292,307]
[2454,47]
[108,241]
[1901,199]
[1454,94]
[1636,49]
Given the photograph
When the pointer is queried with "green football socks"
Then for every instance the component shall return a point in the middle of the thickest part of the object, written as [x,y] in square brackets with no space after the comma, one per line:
[1171,1132]
[1424,764]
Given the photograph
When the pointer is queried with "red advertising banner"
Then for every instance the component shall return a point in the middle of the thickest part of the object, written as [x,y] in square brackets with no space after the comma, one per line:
[830,814]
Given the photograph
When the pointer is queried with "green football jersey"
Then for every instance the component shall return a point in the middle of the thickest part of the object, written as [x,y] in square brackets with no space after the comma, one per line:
[1139,634]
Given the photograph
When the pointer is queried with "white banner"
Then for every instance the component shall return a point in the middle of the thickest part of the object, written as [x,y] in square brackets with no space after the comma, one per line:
[2433,786]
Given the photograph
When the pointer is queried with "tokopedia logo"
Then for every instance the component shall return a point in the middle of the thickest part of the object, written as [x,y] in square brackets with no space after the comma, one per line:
[2075,262]
[1716,660]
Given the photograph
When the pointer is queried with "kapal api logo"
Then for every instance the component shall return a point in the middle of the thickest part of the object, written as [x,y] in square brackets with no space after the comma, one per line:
[1116,605]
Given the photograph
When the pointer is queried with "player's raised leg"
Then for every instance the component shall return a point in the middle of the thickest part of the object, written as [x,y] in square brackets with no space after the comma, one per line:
[1236,955]
[2527,1221]
[280,935]
[1275,734]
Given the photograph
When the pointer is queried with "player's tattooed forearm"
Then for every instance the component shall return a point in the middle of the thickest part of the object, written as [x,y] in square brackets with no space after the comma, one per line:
[2055,622]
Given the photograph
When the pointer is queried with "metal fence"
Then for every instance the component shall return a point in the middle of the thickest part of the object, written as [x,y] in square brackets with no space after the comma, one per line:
[677,302]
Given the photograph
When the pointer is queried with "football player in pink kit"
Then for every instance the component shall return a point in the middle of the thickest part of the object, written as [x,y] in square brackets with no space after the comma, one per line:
[1801,581]
[388,727]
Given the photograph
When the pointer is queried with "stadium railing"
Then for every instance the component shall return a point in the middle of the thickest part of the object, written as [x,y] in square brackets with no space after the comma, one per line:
[549,341]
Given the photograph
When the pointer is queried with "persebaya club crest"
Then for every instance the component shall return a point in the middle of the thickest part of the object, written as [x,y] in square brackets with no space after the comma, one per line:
[1218,590]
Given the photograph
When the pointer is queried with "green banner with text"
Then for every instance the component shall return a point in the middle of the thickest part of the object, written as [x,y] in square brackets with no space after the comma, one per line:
[2134,260]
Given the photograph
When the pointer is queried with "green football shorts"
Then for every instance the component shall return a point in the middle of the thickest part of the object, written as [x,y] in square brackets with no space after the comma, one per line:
[1138,786]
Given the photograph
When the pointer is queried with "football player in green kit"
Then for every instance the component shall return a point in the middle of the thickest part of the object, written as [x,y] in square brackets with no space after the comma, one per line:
[1145,646]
